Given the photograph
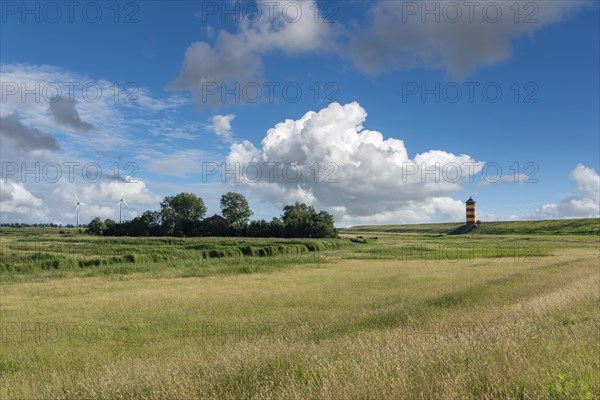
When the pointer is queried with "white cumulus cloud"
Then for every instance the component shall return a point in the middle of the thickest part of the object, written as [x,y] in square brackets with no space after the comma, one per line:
[101,199]
[327,158]
[18,203]
[31,202]
[585,204]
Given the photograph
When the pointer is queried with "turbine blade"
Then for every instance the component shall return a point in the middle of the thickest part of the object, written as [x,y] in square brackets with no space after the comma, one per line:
[77,197]
[126,205]
[82,204]
[77,208]
[118,204]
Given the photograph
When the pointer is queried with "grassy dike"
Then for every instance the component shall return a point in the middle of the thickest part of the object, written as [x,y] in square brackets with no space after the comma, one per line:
[584,226]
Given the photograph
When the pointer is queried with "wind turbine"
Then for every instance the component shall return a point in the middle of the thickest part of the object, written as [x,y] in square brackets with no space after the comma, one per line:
[79,203]
[120,205]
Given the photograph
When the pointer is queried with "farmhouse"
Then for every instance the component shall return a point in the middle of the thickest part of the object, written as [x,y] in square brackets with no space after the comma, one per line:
[217,220]
[215,225]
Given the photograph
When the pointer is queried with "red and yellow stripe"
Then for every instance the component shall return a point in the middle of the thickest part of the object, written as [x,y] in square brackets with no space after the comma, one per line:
[471,216]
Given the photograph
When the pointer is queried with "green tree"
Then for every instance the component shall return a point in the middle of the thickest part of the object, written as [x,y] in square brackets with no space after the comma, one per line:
[96,227]
[147,224]
[277,228]
[323,226]
[111,227]
[258,228]
[181,213]
[235,208]
[298,220]
[301,220]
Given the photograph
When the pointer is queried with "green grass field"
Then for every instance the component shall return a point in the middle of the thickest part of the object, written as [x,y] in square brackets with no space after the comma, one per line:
[419,315]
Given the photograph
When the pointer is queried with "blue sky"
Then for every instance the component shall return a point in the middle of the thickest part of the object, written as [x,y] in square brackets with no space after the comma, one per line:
[371,63]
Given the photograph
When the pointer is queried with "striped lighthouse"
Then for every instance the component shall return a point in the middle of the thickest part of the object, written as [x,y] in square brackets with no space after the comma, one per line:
[471,218]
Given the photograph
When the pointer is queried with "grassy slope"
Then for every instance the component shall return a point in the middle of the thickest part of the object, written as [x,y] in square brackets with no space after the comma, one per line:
[587,226]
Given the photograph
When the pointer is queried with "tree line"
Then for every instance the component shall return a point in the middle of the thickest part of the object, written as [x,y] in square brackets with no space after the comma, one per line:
[34,225]
[184,215]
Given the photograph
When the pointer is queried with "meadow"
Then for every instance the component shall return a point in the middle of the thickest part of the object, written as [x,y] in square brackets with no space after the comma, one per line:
[415,314]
